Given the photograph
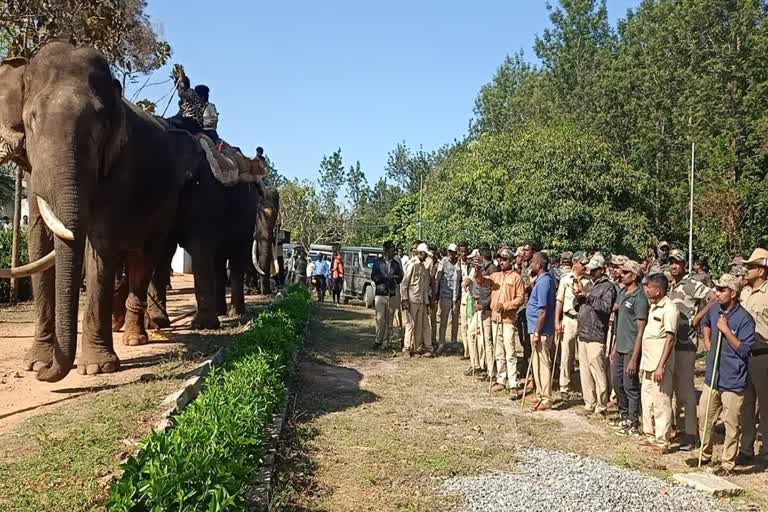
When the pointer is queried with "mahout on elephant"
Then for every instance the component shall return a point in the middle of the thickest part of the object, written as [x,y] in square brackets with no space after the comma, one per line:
[104,187]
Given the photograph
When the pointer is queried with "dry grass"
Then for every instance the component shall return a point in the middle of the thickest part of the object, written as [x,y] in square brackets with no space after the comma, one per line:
[370,428]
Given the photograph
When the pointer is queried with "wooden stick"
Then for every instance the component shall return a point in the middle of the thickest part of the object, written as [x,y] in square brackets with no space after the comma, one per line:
[712,385]
[182,317]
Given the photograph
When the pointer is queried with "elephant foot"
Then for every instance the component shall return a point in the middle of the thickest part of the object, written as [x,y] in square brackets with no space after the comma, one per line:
[95,362]
[39,356]
[135,332]
[202,323]
[159,321]
[118,322]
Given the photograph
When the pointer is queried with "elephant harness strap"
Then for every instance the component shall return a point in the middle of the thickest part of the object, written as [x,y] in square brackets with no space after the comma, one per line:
[229,166]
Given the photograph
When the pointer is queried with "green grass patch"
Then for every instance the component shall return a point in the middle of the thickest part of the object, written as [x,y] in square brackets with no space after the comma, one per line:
[204,461]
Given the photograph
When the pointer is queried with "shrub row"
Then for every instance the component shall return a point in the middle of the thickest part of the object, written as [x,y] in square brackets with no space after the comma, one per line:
[204,461]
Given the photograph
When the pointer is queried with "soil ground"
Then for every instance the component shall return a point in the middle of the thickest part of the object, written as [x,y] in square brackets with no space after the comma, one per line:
[377,430]
[61,443]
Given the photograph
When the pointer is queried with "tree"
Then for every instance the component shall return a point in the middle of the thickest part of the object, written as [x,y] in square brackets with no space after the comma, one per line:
[406,167]
[120,29]
[331,179]
[357,187]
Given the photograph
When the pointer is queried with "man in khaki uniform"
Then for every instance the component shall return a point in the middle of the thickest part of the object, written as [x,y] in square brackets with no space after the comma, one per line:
[480,327]
[507,295]
[431,265]
[688,295]
[657,365]
[733,326]
[414,292]
[465,268]
[566,316]
[754,298]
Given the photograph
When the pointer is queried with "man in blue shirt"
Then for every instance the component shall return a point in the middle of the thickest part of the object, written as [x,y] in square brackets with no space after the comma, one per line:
[540,317]
[322,270]
[738,334]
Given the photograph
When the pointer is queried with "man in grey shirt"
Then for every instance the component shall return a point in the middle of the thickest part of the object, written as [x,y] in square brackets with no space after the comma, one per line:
[448,281]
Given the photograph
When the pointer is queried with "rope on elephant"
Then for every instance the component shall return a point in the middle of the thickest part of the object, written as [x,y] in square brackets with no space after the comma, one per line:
[157,304]
[182,317]
[134,305]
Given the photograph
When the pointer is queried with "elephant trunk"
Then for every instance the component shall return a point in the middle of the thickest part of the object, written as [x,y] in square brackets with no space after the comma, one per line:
[69,266]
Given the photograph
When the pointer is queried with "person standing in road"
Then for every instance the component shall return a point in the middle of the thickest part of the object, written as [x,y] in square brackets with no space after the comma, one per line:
[688,295]
[540,316]
[480,326]
[657,364]
[566,323]
[387,276]
[754,298]
[414,292]
[735,328]
[321,272]
[337,277]
[594,306]
[631,319]
[465,269]
[448,281]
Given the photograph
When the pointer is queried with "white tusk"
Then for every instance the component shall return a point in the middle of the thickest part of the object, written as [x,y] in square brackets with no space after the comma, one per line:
[53,223]
[27,270]
[255,258]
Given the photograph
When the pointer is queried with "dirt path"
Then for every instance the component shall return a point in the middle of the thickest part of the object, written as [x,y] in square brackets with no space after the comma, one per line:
[370,428]
[22,396]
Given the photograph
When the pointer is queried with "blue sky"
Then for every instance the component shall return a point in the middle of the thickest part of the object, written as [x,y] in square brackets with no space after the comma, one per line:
[305,78]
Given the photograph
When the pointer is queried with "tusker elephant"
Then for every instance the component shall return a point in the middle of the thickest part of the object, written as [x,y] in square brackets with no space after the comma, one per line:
[265,238]
[102,172]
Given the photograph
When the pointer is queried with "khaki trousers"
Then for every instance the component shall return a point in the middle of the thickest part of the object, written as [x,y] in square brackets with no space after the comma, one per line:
[417,330]
[432,315]
[479,336]
[755,405]
[385,314]
[464,328]
[505,349]
[446,310]
[729,404]
[567,350]
[594,379]
[656,399]
[684,397]
[541,365]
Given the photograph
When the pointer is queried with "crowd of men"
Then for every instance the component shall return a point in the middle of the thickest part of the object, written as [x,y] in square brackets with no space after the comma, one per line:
[524,319]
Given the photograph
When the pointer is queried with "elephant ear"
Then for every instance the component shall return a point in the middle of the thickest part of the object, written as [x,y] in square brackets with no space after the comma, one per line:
[118,137]
[11,107]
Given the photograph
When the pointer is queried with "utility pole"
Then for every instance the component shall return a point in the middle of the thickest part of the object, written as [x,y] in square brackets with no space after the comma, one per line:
[421,201]
[16,247]
[690,219]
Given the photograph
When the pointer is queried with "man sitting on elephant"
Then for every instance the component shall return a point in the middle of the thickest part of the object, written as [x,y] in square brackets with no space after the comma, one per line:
[191,107]
[210,114]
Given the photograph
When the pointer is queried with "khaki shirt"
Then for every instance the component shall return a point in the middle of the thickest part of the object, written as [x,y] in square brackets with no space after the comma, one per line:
[416,283]
[565,293]
[756,302]
[662,319]
[508,289]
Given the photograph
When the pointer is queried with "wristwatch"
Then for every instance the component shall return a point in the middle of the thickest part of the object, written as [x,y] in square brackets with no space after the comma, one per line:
[534,334]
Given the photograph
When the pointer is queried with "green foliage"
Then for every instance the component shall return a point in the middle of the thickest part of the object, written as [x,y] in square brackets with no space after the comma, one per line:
[406,167]
[6,246]
[205,460]
[555,185]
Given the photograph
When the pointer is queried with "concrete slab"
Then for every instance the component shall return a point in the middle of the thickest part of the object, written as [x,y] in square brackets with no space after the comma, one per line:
[709,483]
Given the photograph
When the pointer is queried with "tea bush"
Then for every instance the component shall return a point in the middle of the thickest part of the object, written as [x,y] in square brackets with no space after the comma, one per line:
[206,458]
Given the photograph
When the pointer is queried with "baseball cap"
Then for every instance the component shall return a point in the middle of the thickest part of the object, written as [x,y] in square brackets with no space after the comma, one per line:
[759,257]
[566,256]
[618,260]
[506,252]
[422,247]
[631,266]
[597,261]
[519,251]
[738,270]
[737,260]
[475,253]
[581,257]
[453,248]
[662,244]
[677,254]
[729,281]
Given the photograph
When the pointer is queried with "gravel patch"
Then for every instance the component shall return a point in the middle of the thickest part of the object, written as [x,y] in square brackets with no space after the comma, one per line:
[551,481]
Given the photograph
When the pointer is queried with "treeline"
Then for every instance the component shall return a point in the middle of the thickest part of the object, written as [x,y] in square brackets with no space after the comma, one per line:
[590,147]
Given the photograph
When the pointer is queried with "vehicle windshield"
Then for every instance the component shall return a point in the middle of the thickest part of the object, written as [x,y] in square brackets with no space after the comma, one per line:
[370,259]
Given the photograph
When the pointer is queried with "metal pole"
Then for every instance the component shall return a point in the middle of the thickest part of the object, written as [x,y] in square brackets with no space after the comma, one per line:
[16,245]
[690,221]
[421,202]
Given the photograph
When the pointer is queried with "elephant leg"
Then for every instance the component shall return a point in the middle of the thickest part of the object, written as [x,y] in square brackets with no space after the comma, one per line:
[158,289]
[40,241]
[119,296]
[221,285]
[139,275]
[237,282]
[98,352]
[205,287]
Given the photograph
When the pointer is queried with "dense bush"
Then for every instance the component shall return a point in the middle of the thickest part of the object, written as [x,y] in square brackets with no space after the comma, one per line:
[6,244]
[204,460]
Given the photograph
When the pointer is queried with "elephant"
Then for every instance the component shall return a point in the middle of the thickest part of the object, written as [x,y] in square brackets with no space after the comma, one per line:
[265,238]
[105,180]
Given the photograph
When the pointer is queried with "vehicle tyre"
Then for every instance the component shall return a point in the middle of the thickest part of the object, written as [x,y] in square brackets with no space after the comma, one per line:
[369,297]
